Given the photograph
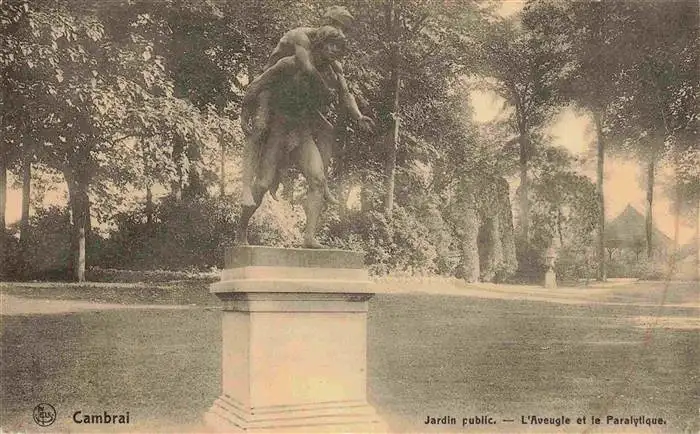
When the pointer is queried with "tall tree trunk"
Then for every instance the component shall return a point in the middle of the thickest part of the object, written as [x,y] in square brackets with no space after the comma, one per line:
[343,196]
[222,166]
[649,224]
[524,189]
[507,232]
[560,229]
[392,142]
[600,172]
[149,204]
[149,189]
[80,214]
[26,197]
[178,156]
[24,222]
[469,268]
[392,137]
[343,179]
[673,257]
[365,197]
[494,254]
[193,186]
[83,212]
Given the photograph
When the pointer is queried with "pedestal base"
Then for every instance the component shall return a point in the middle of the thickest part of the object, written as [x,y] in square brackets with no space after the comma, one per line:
[294,330]
[226,415]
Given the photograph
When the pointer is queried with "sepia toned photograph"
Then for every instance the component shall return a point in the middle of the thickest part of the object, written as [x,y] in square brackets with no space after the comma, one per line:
[349,216]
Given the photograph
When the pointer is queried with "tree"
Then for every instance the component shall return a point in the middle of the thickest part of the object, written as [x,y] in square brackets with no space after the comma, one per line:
[209,50]
[13,16]
[596,37]
[85,91]
[16,139]
[564,200]
[469,170]
[399,45]
[658,103]
[685,154]
[527,68]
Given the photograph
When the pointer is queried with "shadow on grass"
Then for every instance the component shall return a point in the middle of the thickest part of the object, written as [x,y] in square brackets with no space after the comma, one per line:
[161,366]
[186,292]
[656,293]
[428,355]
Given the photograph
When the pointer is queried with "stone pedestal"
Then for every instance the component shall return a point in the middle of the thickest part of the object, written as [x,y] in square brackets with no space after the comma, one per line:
[294,342]
[550,279]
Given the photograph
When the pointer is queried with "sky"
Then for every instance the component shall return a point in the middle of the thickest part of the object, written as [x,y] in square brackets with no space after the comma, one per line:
[574,132]
[510,7]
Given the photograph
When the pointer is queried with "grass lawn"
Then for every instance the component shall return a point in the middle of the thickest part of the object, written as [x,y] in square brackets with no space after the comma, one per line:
[433,355]
[428,355]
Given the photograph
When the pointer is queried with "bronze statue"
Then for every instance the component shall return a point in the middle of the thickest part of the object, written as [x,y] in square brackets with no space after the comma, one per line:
[292,128]
[297,43]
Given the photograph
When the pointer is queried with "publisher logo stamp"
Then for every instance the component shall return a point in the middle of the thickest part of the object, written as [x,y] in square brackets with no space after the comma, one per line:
[44,414]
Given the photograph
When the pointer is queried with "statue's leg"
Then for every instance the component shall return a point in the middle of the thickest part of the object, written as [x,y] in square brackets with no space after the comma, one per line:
[324,135]
[254,146]
[249,163]
[281,174]
[272,159]
[325,138]
[246,213]
[309,161]
[274,146]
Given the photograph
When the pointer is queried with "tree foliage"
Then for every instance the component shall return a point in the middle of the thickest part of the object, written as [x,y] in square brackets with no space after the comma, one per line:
[133,96]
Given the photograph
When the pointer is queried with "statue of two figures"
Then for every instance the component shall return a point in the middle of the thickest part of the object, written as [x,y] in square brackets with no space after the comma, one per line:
[284,118]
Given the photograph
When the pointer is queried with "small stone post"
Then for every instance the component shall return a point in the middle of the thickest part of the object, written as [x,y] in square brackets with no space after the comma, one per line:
[550,277]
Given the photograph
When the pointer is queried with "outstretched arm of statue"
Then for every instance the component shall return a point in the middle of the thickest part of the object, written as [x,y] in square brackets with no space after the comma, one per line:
[349,100]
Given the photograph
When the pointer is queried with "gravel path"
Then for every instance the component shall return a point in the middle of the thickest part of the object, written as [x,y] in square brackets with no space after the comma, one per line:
[595,294]
[12,305]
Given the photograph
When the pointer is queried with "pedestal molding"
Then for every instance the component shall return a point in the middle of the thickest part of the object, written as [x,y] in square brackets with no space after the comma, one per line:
[296,306]
[303,273]
[281,285]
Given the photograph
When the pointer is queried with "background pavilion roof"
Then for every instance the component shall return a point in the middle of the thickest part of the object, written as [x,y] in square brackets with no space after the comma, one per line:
[628,230]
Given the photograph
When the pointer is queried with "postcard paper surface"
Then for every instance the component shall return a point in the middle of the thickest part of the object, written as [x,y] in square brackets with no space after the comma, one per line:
[389,216]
